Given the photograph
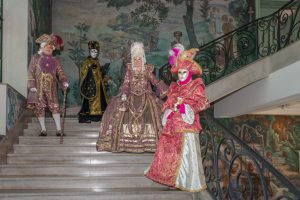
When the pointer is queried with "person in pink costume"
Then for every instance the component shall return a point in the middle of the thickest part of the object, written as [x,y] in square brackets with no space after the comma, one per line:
[177,161]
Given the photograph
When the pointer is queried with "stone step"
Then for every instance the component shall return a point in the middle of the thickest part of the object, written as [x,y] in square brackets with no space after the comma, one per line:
[62,182]
[54,149]
[73,170]
[41,168]
[89,158]
[28,140]
[52,123]
[70,127]
[102,194]
[67,119]
[52,132]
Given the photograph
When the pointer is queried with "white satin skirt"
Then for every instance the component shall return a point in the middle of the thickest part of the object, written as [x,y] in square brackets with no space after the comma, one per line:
[191,174]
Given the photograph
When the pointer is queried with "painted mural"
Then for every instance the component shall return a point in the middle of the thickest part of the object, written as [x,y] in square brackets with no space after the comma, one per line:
[277,138]
[15,107]
[157,23]
[39,22]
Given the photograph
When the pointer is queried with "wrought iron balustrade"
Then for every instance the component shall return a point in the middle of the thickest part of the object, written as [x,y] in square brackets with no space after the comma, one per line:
[234,170]
[257,39]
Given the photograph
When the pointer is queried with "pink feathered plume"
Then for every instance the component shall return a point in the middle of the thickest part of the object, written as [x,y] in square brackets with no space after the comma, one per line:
[173,53]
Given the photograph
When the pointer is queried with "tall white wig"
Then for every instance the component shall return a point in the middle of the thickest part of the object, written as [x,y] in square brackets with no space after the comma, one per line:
[137,50]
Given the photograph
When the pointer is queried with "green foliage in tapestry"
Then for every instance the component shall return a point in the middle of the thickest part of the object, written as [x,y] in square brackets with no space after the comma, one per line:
[77,55]
[76,52]
[204,8]
[150,13]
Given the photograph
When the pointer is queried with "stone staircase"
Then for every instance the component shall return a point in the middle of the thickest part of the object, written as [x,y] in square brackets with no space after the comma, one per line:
[41,168]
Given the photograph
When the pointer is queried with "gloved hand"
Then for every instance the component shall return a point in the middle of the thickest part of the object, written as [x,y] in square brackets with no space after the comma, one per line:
[123,97]
[65,86]
[178,104]
[33,89]
[181,108]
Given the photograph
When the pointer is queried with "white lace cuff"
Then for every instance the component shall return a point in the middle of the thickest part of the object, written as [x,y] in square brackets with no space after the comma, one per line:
[165,116]
[189,115]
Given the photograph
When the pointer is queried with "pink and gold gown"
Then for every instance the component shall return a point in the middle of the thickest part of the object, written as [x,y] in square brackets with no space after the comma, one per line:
[133,125]
[177,161]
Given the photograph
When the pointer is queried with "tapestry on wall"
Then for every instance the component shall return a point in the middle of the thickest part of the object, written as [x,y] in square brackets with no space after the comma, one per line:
[157,23]
[15,106]
[39,22]
[277,138]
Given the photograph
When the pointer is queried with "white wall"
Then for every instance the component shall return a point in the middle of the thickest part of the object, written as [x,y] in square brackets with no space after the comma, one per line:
[15,44]
[3,109]
[279,88]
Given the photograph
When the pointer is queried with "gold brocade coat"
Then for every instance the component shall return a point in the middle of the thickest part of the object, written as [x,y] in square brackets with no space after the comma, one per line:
[42,75]
[94,100]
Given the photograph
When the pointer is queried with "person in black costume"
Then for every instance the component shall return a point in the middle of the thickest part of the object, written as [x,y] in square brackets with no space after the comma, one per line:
[92,87]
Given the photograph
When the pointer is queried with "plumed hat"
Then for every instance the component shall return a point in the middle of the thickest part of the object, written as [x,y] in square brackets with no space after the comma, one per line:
[59,43]
[53,39]
[94,45]
[174,53]
[186,61]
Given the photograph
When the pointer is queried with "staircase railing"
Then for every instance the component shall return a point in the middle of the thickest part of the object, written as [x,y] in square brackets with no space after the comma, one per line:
[234,170]
[257,39]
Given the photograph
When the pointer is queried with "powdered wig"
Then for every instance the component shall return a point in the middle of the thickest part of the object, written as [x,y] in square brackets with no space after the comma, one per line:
[137,50]
[42,46]
[45,39]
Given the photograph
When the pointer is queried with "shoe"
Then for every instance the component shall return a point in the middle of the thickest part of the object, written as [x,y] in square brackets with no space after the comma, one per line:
[84,121]
[58,133]
[172,188]
[43,133]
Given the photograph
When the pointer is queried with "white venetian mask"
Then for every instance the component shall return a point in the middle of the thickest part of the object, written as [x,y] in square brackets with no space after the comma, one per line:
[182,74]
[94,53]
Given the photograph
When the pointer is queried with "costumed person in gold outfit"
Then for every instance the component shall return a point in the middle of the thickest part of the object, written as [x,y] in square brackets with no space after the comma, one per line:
[92,88]
[177,161]
[42,82]
[131,122]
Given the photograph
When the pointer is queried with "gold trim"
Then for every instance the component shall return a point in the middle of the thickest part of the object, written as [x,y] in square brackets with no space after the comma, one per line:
[187,131]
[187,190]
[177,172]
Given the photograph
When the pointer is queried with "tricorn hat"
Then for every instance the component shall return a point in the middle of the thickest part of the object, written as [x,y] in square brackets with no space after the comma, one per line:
[186,61]
[45,38]
[52,39]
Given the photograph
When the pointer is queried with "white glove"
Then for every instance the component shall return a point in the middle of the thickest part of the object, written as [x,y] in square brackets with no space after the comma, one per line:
[66,85]
[123,97]
[33,89]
